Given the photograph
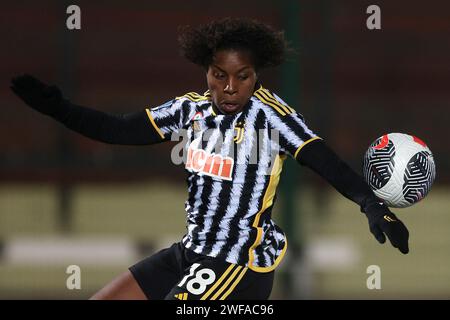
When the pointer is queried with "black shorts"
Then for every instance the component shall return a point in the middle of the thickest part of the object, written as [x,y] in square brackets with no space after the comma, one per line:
[179,273]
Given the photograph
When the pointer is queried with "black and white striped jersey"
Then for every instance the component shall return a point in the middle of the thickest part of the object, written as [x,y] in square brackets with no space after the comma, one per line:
[234,164]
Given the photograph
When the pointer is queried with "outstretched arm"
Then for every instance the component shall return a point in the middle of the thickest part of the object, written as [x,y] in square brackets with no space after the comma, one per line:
[127,129]
[321,159]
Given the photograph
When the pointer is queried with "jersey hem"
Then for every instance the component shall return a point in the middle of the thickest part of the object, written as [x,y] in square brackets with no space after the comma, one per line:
[275,264]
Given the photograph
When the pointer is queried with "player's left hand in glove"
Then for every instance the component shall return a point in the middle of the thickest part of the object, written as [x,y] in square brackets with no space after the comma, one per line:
[38,95]
[383,222]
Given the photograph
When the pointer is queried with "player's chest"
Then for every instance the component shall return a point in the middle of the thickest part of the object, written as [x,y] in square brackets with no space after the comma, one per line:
[217,145]
[221,131]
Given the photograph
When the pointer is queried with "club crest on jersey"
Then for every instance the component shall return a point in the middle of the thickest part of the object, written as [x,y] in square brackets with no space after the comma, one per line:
[239,132]
[214,165]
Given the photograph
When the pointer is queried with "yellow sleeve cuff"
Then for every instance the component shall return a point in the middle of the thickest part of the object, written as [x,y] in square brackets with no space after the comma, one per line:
[304,144]
[152,121]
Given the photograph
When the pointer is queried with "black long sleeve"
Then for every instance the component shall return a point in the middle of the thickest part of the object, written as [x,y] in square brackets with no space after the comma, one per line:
[126,129]
[382,222]
[324,161]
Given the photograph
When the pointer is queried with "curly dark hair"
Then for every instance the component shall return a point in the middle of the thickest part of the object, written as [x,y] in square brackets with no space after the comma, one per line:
[266,45]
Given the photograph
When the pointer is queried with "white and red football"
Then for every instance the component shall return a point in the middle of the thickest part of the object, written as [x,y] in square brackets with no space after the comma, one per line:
[400,169]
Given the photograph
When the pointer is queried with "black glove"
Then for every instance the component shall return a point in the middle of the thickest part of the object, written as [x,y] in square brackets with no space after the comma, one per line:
[383,221]
[39,96]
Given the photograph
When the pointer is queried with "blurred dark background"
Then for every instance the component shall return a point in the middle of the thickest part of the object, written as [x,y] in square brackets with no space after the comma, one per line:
[355,84]
[352,84]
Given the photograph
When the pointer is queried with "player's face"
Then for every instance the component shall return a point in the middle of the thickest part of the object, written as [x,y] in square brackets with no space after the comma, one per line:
[231,80]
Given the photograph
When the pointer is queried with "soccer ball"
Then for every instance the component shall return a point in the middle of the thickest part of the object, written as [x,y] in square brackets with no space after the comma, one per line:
[400,169]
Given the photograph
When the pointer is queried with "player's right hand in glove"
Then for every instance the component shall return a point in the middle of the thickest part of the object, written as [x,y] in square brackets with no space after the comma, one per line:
[38,95]
[383,222]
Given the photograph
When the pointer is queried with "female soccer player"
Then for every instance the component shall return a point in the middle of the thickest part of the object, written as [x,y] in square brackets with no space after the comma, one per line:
[232,246]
